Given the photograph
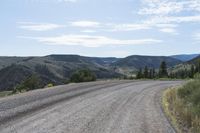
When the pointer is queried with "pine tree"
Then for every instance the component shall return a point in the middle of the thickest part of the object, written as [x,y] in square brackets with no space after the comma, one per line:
[171,75]
[192,71]
[151,73]
[163,70]
[146,72]
[154,73]
[139,74]
[198,66]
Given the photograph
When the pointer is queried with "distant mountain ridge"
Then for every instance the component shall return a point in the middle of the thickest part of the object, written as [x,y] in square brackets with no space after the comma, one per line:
[185,57]
[57,69]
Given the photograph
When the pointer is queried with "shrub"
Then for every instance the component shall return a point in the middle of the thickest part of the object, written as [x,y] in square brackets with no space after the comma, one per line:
[83,76]
[191,92]
[31,83]
[197,76]
[50,85]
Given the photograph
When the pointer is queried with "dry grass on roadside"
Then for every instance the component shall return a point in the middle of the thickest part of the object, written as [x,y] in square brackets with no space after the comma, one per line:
[181,110]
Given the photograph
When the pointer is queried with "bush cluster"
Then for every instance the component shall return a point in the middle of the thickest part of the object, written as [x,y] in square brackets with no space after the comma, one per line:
[31,83]
[84,75]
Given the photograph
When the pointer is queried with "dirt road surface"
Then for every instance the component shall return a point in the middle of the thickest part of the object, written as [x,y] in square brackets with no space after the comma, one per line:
[95,107]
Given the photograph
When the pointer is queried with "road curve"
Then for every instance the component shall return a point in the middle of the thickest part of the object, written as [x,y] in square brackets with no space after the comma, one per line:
[96,107]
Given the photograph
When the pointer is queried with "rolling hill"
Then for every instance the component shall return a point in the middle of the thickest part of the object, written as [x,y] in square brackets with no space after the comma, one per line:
[57,69]
[54,69]
[185,65]
[135,62]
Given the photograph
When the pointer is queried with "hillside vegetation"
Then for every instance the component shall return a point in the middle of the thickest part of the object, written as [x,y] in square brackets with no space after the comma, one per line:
[137,61]
[57,69]
[186,69]
[132,64]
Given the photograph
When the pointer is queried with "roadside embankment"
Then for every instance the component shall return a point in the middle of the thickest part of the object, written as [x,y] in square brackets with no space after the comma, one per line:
[182,106]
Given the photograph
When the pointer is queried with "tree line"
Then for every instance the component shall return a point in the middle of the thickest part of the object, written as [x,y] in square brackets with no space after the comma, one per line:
[151,73]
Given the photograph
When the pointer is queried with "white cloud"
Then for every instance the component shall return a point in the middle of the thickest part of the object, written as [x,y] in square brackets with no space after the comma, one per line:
[195,5]
[94,26]
[160,7]
[165,25]
[90,41]
[89,26]
[166,15]
[110,27]
[173,19]
[128,27]
[88,31]
[166,7]
[183,19]
[38,26]
[169,30]
[86,24]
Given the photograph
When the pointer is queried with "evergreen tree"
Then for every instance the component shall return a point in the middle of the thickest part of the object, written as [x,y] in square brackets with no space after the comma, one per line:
[198,66]
[139,74]
[171,75]
[196,69]
[192,71]
[150,73]
[163,70]
[154,73]
[146,72]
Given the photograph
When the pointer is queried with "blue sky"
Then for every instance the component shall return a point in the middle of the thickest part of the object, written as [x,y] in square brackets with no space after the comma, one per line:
[99,27]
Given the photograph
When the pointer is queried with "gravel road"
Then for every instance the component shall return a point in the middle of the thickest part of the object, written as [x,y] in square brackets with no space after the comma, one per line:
[96,107]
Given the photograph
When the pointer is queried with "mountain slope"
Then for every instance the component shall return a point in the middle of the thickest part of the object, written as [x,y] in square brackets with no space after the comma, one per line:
[137,61]
[54,69]
[133,63]
[195,60]
[185,66]
[13,75]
